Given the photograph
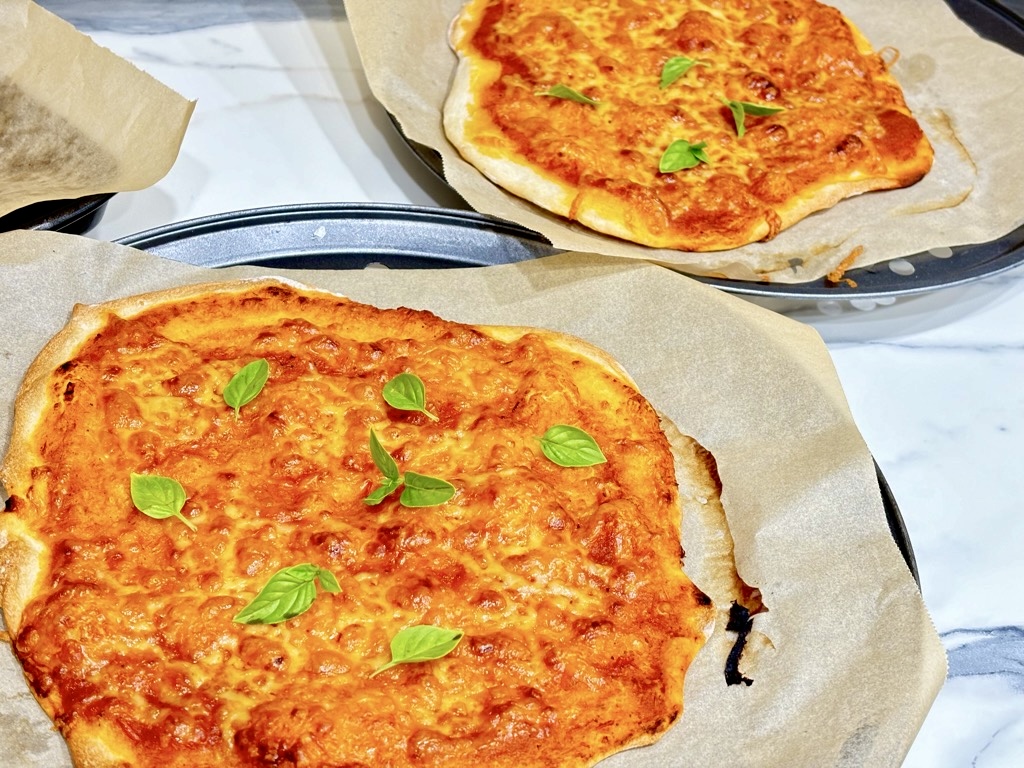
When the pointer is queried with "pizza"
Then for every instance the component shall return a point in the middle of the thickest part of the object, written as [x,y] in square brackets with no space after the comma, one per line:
[253,523]
[697,125]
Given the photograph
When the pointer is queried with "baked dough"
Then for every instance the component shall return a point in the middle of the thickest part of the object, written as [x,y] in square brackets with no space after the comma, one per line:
[843,127]
[578,620]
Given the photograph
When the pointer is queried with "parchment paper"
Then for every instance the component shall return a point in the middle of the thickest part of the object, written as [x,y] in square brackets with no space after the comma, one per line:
[76,120]
[847,661]
[962,89]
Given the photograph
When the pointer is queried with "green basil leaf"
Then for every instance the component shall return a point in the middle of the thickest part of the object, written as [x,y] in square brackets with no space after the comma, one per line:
[419,491]
[570,446]
[425,491]
[384,461]
[420,643]
[740,109]
[681,155]
[381,492]
[289,593]
[407,393]
[246,384]
[565,92]
[328,581]
[676,67]
[386,464]
[159,497]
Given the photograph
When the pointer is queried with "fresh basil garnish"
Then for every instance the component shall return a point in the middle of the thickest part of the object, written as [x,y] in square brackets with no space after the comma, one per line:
[570,446]
[422,642]
[565,92]
[289,593]
[681,155]
[159,497]
[740,109]
[382,459]
[246,384]
[407,393]
[420,490]
[425,491]
[388,467]
[382,491]
[676,67]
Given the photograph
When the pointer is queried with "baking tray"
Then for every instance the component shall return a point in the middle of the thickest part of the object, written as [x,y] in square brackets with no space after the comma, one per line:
[993,20]
[75,217]
[904,276]
[355,236]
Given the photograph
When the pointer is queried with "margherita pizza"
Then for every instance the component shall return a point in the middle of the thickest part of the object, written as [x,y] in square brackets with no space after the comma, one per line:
[252,523]
[697,125]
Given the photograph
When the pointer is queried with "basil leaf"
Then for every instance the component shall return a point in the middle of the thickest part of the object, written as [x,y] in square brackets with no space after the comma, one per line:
[246,384]
[425,491]
[565,92]
[420,490]
[676,67]
[328,582]
[407,393]
[420,643]
[681,154]
[289,593]
[381,492]
[570,446]
[159,497]
[385,463]
[740,109]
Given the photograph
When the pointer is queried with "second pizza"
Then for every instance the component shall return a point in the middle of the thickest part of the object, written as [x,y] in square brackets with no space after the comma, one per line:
[698,125]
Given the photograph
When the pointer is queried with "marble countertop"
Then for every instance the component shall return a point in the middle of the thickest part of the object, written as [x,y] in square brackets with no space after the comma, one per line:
[285,116]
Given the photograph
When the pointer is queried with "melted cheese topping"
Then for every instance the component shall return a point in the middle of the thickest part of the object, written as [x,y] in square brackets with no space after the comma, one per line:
[578,620]
[844,127]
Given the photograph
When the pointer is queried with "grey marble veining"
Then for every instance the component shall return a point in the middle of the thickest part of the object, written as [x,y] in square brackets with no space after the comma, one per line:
[158,17]
[992,651]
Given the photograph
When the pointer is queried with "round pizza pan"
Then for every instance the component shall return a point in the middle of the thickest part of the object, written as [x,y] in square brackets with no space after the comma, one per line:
[344,236]
[994,20]
[905,276]
[355,236]
[72,216]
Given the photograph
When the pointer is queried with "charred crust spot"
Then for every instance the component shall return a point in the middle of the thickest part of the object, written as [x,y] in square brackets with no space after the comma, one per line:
[69,392]
[656,725]
[741,623]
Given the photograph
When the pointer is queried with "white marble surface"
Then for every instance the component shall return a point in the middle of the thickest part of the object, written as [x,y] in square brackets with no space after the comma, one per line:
[284,116]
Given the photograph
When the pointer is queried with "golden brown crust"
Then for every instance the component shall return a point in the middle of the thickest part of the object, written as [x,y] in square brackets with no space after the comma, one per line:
[844,128]
[579,621]
[21,561]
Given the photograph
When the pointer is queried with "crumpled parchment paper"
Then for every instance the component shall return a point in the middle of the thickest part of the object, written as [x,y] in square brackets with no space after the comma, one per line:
[75,119]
